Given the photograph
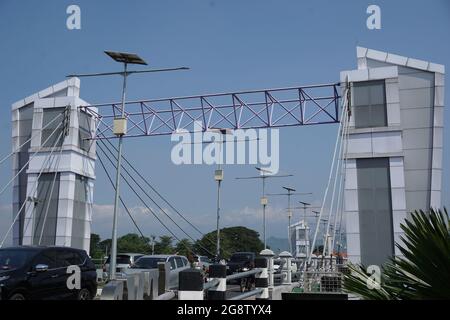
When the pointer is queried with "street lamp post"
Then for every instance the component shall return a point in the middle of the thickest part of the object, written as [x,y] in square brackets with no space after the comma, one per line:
[264,201]
[120,128]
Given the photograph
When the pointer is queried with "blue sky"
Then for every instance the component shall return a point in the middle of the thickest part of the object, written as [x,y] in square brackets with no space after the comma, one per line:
[230,46]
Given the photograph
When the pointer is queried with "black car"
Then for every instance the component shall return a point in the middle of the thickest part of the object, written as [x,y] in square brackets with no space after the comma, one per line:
[35,273]
[241,261]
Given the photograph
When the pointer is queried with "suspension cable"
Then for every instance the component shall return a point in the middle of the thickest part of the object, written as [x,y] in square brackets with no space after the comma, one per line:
[37,181]
[340,205]
[325,249]
[149,209]
[327,187]
[162,197]
[33,187]
[29,160]
[31,138]
[120,197]
[51,194]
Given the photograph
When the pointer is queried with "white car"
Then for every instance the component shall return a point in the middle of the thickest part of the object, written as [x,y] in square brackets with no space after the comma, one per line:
[202,263]
[123,261]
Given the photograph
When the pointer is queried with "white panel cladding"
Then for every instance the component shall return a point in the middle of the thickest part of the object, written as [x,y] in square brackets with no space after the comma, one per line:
[65,208]
[417,80]
[397,177]
[386,142]
[438,135]
[416,138]
[354,259]
[436,179]
[351,200]
[437,158]
[439,79]
[352,222]
[362,63]
[350,164]
[435,199]
[437,68]
[398,240]
[360,143]
[416,200]
[417,180]
[416,118]
[351,181]
[361,52]
[398,198]
[398,217]
[396,59]
[439,96]
[65,241]
[63,227]
[417,64]
[355,75]
[416,98]
[383,73]
[70,161]
[392,91]
[376,55]
[67,186]
[438,117]
[353,244]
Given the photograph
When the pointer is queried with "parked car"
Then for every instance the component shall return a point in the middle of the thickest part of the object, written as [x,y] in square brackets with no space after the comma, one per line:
[123,261]
[35,273]
[177,263]
[202,263]
[241,262]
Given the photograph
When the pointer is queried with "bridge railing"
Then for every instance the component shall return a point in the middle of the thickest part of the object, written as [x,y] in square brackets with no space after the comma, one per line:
[146,285]
[192,287]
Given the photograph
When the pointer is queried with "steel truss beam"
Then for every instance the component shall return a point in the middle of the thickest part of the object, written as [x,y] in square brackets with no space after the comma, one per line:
[270,108]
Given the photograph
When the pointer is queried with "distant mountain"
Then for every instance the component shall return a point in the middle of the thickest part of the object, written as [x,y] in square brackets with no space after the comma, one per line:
[278,245]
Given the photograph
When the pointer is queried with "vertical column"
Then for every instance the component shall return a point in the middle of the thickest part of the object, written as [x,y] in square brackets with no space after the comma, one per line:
[65,209]
[190,285]
[262,279]
[287,268]
[219,272]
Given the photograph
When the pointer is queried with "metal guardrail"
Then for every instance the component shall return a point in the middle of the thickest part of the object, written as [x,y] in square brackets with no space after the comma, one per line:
[247,294]
[322,281]
[211,284]
[243,274]
[166,296]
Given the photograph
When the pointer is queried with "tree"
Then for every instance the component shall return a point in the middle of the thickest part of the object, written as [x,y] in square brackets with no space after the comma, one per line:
[94,248]
[184,247]
[132,242]
[423,272]
[164,245]
[234,239]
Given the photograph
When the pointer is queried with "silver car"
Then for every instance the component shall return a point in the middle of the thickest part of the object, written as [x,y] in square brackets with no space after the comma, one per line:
[176,263]
[202,263]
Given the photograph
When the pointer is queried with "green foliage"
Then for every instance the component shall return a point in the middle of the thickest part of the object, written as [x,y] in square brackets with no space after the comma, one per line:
[132,242]
[423,272]
[184,247]
[232,240]
[164,245]
[94,249]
